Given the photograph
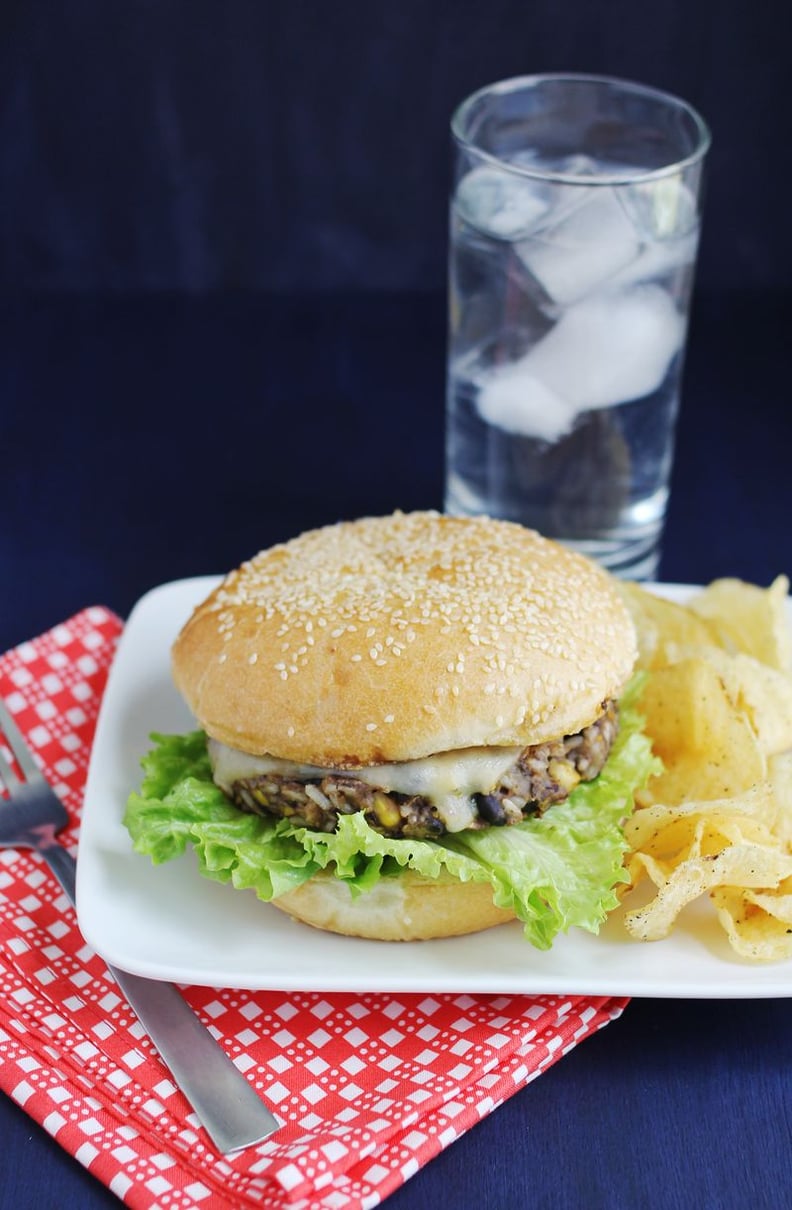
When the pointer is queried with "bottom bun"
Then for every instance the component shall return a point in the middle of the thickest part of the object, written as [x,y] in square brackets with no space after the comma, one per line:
[405,908]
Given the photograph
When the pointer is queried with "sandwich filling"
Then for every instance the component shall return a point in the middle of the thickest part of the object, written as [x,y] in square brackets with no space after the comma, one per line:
[447,792]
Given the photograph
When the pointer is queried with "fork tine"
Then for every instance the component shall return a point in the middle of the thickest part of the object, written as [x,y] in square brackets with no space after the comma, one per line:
[21,752]
[7,775]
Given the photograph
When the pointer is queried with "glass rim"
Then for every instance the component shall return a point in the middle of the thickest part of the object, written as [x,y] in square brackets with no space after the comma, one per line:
[516,83]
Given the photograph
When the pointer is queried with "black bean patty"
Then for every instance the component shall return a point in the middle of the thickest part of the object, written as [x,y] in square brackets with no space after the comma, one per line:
[541,775]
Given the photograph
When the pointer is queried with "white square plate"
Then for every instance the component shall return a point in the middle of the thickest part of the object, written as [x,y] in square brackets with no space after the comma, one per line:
[168,922]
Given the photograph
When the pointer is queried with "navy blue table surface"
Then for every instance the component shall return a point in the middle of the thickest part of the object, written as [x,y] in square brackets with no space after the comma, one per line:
[145,439]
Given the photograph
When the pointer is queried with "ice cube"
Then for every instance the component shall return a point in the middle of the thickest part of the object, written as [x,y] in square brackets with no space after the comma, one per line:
[609,348]
[512,399]
[577,164]
[660,209]
[502,204]
[657,259]
[589,244]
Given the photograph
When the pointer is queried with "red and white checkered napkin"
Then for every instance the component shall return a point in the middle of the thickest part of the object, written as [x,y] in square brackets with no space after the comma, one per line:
[369,1087]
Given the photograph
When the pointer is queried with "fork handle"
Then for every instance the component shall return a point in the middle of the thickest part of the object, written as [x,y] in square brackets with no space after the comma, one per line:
[226,1104]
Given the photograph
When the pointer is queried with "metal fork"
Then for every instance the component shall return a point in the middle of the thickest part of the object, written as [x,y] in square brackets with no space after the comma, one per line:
[231,1112]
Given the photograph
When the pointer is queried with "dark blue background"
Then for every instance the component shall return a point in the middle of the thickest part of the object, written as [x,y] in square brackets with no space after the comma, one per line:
[222,319]
[302,144]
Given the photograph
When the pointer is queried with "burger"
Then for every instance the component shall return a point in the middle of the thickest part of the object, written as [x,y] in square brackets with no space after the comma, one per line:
[410,726]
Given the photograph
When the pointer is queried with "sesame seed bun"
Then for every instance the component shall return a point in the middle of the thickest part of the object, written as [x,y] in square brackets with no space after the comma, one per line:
[392,638]
[407,908]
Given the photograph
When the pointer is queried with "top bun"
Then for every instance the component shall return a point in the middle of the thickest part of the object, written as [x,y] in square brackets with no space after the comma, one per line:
[390,638]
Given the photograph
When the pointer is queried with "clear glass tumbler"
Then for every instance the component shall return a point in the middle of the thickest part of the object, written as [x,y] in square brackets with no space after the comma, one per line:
[574,226]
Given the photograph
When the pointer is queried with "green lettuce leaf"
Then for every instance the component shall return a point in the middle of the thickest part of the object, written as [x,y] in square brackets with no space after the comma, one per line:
[554,872]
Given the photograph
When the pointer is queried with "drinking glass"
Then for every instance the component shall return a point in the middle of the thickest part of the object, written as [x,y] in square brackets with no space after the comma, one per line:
[574,225]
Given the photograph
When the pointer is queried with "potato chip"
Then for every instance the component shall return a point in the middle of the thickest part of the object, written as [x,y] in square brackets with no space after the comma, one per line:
[659,622]
[741,865]
[776,903]
[707,746]
[763,693]
[779,771]
[664,831]
[718,819]
[641,865]
[749,619]
[758,924]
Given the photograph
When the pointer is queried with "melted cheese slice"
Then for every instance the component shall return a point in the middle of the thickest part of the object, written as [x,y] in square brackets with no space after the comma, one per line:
[448,779]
